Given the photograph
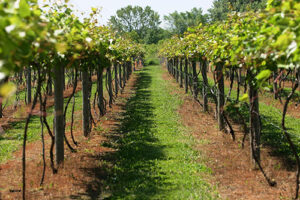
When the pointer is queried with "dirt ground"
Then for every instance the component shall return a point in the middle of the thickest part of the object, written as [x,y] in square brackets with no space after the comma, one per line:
[231,166]
[265,97]
[19,113]
[80,177]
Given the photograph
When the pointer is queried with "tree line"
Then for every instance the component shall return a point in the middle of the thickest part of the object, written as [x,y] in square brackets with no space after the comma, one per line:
[144,24]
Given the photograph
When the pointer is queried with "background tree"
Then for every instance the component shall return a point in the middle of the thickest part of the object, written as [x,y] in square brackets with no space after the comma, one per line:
[179,22]
[142,24]
[221,8]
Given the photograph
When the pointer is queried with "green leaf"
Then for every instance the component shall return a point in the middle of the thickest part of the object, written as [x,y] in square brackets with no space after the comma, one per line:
[268,89]
[7,90]
[61,47]
[286,66]
[24,8]
[37,12]
[244,98]
[284,40]
[94,9]
[264,74]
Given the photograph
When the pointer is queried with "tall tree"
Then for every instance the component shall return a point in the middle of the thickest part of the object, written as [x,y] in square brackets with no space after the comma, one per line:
[179,22]
[221,8]
[140,23]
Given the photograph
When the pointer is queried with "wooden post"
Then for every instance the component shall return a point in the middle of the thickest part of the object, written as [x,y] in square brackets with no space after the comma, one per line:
[85,101]
[28,84]
[177,69]
[186,78]
[181,73]
[100,90]
[205,84]
[124,74]
[195,79]
[120,75]
[116,78]
[59,128]
[109,80]
[220,95]
[255,128]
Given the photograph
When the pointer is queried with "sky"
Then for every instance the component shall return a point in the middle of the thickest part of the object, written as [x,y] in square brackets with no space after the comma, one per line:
[163,7]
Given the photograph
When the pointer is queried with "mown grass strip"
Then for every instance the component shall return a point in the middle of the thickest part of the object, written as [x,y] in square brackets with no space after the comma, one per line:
[155,158]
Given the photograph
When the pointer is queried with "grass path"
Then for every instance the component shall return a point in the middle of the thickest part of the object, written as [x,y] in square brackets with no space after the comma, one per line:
[154,158]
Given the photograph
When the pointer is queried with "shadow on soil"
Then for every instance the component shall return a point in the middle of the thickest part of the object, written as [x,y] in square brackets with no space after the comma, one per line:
[127,171]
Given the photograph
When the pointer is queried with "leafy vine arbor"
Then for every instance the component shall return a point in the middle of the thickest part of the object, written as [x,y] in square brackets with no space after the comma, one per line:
[255,44]
[51,43]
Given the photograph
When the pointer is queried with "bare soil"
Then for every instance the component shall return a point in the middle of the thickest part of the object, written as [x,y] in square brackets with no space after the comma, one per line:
[81,175]
[20,112]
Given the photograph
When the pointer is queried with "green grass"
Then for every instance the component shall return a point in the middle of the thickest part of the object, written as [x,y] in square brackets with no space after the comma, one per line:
[21,95]
[13,137]
[151,54]
[155,158]
[270,135]
[271,117]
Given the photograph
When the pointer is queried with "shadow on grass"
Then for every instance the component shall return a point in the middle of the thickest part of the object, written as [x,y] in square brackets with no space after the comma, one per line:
[275,138]
[15,133]
[128,171]
[270,135]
